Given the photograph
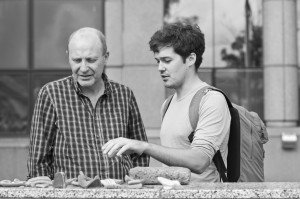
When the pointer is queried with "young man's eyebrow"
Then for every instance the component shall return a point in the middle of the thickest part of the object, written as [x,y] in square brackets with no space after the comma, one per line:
[164,57]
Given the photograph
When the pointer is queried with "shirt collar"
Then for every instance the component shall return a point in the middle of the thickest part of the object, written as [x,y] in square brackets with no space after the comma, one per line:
[107,85]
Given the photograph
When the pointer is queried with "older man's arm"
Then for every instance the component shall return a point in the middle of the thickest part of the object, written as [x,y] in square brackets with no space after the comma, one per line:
[40,161]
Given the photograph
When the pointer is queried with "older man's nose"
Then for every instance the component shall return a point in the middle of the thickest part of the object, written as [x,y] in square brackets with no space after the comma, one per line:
[84,66]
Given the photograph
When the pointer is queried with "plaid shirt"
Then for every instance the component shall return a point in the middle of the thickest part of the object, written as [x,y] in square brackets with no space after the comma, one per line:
[67,132]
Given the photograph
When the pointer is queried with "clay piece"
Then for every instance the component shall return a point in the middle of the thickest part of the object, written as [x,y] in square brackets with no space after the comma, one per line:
[87,182]
[40,181]
[59,180]
[14,183]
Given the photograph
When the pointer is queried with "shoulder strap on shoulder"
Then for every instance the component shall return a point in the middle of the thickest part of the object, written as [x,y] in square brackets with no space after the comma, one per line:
[227,99]
[194,106]
[194,117]
[234,151]
[166,106]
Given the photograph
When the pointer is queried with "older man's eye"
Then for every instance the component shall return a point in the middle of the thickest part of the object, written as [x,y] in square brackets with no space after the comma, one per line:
[91,60]
[77,60]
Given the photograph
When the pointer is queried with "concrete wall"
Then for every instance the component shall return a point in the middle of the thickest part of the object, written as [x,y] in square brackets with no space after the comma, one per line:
[131,62]
[281,165]
[13,158]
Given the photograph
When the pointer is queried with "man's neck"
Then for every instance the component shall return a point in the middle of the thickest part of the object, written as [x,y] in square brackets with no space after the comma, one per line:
[94,92]
[190,84]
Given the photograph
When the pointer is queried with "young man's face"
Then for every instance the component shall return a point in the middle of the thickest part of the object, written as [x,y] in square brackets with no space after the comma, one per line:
[171,67]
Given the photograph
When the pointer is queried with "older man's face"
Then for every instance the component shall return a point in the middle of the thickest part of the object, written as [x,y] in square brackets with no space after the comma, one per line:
[86,59]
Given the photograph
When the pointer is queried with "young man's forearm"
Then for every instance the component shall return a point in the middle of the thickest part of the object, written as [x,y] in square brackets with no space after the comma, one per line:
[194,159]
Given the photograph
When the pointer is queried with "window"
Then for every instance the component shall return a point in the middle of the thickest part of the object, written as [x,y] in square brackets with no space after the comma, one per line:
[54,21]
[34,43]
[224,63]
[13,34]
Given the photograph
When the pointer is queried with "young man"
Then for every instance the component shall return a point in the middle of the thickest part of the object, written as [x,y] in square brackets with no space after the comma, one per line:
[74,116]
[178,50]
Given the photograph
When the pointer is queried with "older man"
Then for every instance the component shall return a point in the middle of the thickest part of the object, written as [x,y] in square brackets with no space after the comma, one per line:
[74,116]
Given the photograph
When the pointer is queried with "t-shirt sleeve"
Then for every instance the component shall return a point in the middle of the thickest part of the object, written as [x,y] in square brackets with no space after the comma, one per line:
[213,124]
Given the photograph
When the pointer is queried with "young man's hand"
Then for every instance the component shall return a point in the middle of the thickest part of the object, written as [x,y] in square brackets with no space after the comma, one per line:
[118,146]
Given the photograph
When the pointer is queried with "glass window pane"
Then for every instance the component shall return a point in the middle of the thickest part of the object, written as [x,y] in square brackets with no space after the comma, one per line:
[14,104]
[40,79]
[197,12]
[54,21]
[244,87]
[13,34]
[229,27]
[230,33]
[298,28]
[206,75]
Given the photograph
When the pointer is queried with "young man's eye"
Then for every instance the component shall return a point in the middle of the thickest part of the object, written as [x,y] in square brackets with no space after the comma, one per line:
[167,61]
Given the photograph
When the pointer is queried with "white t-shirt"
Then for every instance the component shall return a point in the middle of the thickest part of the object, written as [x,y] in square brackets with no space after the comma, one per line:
[211,134]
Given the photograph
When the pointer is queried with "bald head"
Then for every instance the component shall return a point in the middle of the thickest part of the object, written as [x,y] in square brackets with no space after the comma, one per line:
[88,32]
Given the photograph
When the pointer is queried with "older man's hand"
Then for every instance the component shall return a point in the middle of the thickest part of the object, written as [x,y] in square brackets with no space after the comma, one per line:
[118,146]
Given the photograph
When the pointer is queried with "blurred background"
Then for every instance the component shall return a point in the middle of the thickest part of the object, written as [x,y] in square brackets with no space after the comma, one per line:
[251,54]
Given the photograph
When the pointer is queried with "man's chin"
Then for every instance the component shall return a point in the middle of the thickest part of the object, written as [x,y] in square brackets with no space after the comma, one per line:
[170,86]
[85,83]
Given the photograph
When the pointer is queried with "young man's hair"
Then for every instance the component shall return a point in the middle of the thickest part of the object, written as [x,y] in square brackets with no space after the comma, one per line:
[184,38]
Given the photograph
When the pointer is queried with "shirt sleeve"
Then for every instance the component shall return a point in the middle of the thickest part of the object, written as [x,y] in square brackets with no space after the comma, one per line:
[213,124]
[136,131]
[40,161]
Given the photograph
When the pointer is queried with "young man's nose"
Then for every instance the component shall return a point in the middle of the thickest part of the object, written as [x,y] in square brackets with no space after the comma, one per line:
[161,66]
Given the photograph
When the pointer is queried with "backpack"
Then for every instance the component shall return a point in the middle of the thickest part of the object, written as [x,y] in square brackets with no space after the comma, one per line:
[245,160]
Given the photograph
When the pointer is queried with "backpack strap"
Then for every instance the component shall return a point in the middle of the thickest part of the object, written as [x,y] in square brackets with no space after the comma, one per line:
[220,165]
[234,148]
[194,117]
[194,106]
[227,99]
[166,106]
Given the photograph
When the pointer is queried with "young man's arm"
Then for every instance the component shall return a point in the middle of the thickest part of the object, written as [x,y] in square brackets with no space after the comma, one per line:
[194,159]
[209,135]
[41,137]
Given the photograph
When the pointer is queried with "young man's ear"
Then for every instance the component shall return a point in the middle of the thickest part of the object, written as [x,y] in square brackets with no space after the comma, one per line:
[191,59]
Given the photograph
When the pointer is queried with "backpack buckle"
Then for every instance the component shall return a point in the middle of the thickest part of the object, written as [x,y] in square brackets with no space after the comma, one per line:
[206,90]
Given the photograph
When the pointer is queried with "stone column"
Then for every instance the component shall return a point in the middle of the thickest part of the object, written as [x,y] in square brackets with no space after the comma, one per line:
[129,24]
[280,63]
[141,18]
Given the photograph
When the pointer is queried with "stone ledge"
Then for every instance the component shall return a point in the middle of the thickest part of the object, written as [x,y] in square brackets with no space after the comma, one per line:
[201,190]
